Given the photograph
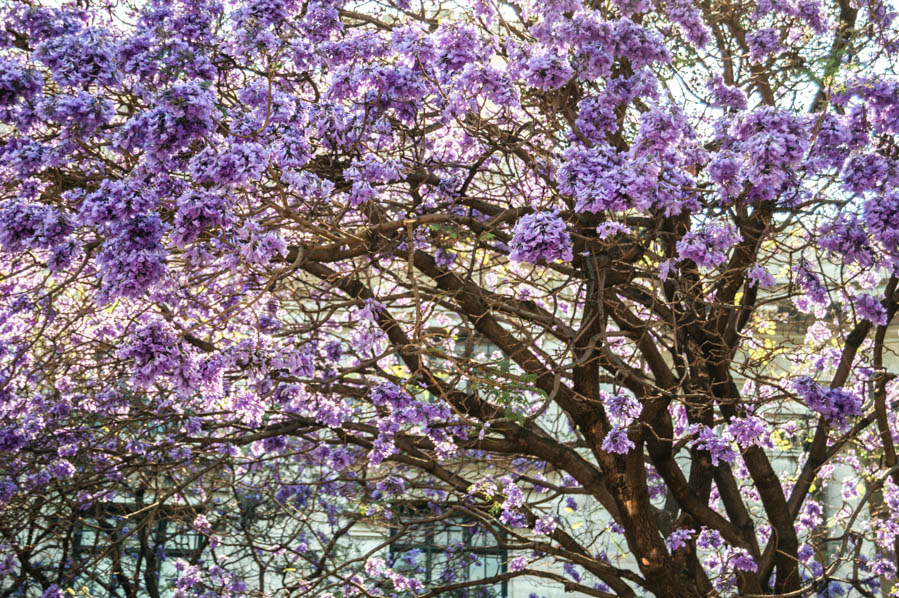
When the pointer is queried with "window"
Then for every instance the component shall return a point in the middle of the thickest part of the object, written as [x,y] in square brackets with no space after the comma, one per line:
[441,551]
[110,544]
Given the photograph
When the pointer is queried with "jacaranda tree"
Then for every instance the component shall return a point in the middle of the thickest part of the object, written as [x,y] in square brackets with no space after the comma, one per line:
[609,282]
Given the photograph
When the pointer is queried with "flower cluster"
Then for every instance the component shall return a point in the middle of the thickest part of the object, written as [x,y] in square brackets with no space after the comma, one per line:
[31,226]
[80,114]
[719,449]
[17,83]
[153,350]
[600,178]
[708,245]
[234,165]
[182,114]
[870,308]
[541,236]
[835,405]
[80,59]
[846,238]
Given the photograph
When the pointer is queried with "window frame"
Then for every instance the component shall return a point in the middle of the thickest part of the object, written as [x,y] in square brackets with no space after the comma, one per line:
[429,545]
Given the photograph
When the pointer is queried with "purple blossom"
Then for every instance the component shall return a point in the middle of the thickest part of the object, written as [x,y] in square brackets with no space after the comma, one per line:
[198,210]
[80,114]
[61,469]
[882,219]
[17,83]
[518,563]
[596,118]
[708,245]
[870,308]
[234,165]
[772,144]
[541,236]
[571,571]
[742,560]
[622,407]
[80,59]
[31,226]
[679,538]
[375,566]
[545,525]
[153,348]
[610,229]
[847,239]
[719,450]
[133,260]
[750,431]
[659,130]
[709,539]
[762,43]
[868,172]
[725,170]
[616,441]
[548,71]
[759,275]
[835,405]
[809,282]
[725,96]
[182,114]
[602,179]
[54,591]
[688,17]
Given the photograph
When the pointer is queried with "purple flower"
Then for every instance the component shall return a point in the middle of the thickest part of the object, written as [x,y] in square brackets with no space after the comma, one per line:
[444,259]
[202,525]
[31,226]
[719,450]
[725,96]
[868,172]
[742,560]
[810,283]
[602,179]
[80,59]
[518,563]
[133,260]
[596,118]
[545,525]
[182,114]
[61,469]
[870,308]
[54,591]
[749,431]
[571,571]
[17,83]
[758,275]
[882,218]
[153,347]
[375,567]
[616,441]
[80,114]
[659,130]
[679,538]
[771,144]
[548,71]
[198,210]
[610,229]
[846,238]
[763,43]
[708,245]
[234,165]
[540,236]
[709,539]
[834,404]
[622,407]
